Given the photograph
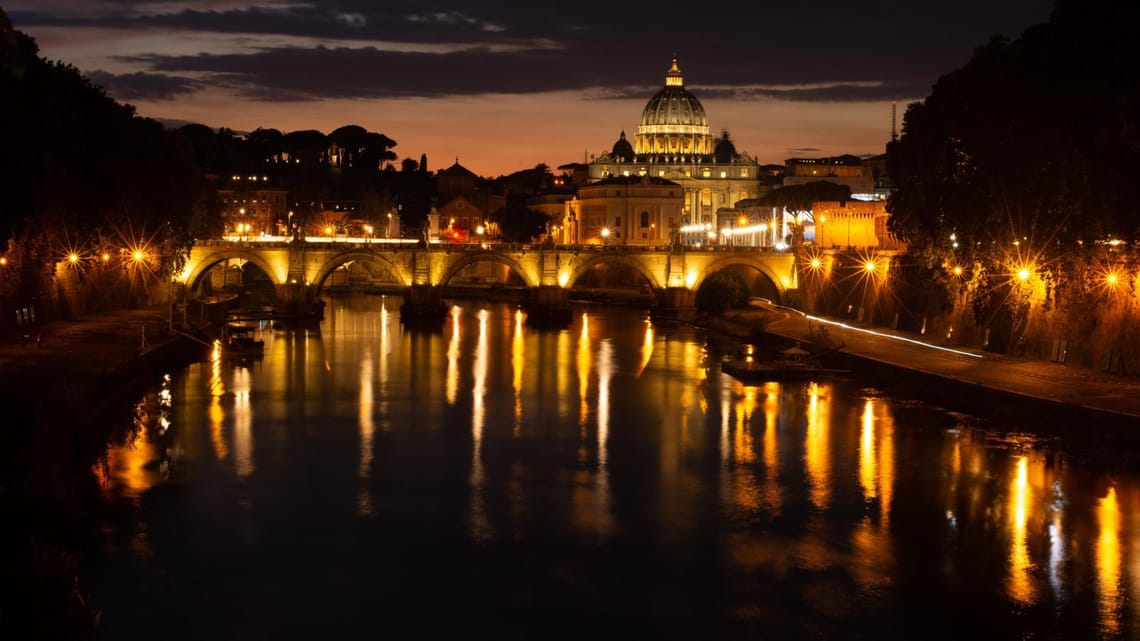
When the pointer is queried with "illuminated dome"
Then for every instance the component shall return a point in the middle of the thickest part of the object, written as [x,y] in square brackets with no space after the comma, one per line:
[622,150]
[674,127]
[725,151]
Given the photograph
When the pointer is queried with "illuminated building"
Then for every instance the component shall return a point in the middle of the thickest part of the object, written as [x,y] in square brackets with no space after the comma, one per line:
[853,223]
[622,210]
[842,170]
[673,143]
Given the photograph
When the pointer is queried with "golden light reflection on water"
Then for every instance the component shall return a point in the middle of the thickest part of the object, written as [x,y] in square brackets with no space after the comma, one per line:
[518,358]
[602,475]
[585,363]
[453,356]
[1108,562]
[868,466]
[215,413]
[871,539]
[772,496]
[364,409]
[480,526]
[745,492]
[243,423]
[1020,581]
[646,348]
[818,446]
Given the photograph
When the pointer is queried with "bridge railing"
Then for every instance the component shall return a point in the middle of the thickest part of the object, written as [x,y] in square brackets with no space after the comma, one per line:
[355,244]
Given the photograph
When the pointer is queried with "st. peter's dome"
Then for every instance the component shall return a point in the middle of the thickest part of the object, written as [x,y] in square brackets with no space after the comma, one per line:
[674,127]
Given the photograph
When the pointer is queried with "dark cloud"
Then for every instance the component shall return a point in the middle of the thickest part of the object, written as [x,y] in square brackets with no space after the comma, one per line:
[827,50]
[143,86]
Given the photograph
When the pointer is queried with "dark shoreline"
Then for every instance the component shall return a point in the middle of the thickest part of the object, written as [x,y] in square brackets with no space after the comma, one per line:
[64,399]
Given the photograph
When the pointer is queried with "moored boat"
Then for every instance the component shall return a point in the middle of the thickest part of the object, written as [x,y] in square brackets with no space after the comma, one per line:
[792,363]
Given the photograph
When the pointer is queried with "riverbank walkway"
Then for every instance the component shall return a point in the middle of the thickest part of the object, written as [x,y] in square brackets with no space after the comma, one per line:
[1108,394]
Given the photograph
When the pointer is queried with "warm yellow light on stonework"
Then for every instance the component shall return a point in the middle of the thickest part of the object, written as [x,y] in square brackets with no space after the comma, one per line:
[563,278]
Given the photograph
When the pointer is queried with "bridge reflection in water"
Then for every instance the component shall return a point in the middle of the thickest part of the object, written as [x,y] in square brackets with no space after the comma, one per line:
[604,473]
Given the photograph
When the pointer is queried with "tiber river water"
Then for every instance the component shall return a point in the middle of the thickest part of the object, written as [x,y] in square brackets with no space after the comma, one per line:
[367,481]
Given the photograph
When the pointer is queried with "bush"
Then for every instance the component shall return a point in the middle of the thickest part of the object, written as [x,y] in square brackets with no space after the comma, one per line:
[723,291]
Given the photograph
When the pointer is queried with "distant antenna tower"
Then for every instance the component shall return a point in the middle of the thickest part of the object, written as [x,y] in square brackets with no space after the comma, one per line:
[894,131]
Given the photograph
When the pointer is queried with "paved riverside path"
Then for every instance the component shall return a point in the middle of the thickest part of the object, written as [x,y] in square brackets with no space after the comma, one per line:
[1113,395]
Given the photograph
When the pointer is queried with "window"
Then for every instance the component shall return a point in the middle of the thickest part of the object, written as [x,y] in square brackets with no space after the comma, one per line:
[617,221]
[644,219]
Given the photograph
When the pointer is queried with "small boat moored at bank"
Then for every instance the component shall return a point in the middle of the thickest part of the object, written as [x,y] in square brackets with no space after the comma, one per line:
[792,363]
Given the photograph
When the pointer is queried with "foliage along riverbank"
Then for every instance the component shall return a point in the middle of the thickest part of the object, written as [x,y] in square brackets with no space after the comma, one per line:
[64,388]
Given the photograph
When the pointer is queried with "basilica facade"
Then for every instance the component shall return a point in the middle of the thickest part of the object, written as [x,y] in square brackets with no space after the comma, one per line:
[673,143]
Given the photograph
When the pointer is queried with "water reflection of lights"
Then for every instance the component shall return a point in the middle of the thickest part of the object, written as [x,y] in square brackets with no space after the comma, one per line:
[518,353]
[1020,582]
[818,446]
[773,496]
[364,502]
[243,419]
[1108,563]
[868,466]
[585,363]
[453,356]
[602,480]
[891,336]
[480,526]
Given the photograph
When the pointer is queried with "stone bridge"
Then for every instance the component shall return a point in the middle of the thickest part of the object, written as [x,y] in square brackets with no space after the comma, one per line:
[299,269]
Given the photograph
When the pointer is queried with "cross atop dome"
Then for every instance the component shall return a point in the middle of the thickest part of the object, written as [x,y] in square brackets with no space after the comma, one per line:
[673,76]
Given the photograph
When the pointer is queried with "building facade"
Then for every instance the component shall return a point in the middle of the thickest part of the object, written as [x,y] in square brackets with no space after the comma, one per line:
[674,143]
[622,210]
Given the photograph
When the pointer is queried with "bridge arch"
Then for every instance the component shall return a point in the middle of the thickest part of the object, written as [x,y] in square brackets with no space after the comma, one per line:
[458,264]
[199,268]
[337,260]
[760,267]
[604,257]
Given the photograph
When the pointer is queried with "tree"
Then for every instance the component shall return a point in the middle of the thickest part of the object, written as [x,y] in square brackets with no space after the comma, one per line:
[798,199]
[518,223]
[1033,141]
[722,291]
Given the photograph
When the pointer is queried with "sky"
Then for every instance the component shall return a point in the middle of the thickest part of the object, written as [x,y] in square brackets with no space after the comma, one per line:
[505,85]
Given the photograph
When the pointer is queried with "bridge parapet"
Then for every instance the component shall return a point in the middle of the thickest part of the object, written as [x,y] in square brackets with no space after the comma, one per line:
[300,269]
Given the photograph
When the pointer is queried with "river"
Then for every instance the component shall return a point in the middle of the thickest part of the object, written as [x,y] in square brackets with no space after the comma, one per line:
[367,480]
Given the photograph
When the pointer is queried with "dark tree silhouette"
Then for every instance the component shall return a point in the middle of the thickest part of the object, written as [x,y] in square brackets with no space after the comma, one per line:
[1034,140]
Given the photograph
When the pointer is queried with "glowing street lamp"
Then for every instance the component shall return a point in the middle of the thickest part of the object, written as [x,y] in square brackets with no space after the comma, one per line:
[368,230]
[605,234]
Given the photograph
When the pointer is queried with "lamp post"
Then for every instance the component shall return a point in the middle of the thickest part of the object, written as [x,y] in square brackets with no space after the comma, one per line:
[605,235]
[368,230]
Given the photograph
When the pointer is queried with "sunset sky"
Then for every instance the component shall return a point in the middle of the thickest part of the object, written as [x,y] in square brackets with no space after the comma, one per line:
[504,85]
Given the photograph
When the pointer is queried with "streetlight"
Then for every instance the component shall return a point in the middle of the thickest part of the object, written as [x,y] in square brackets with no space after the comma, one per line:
[605,234]
[368,230]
